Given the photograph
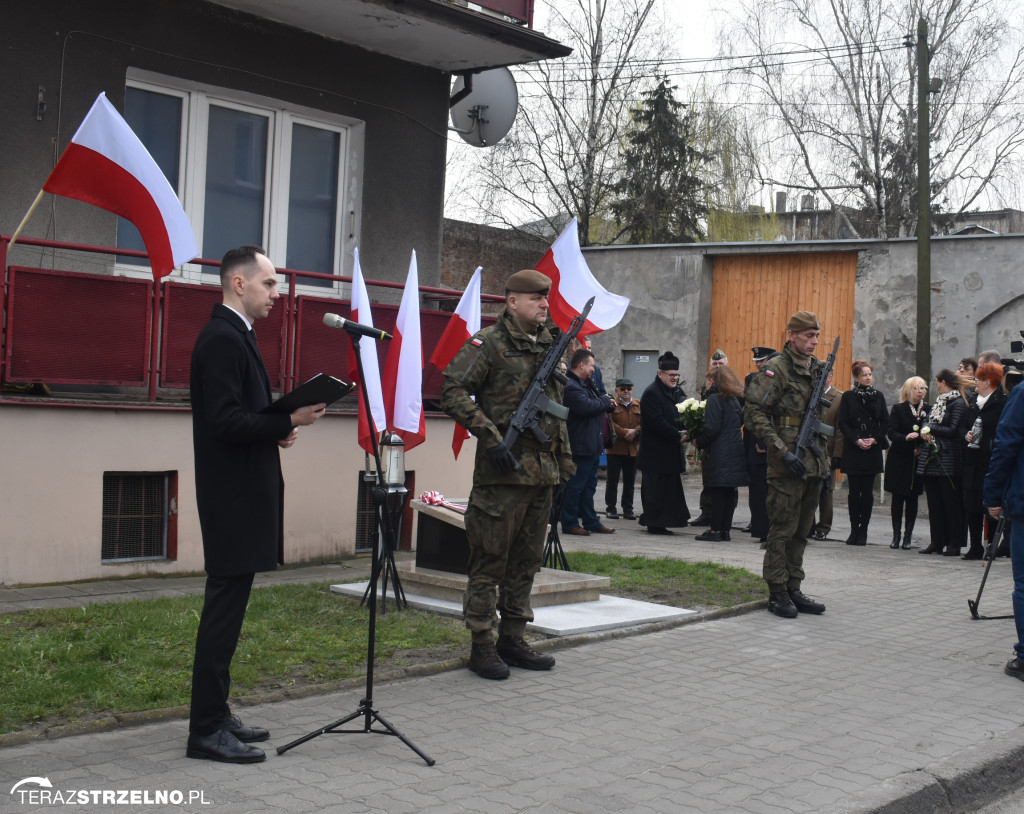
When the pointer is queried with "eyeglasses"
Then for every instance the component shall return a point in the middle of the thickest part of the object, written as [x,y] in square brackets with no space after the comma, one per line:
[671,375]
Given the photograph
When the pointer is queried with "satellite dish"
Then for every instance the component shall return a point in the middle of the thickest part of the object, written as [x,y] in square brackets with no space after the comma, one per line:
[484,115]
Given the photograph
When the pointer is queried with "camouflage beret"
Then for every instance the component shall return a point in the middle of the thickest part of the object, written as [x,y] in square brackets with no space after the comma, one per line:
[718,354]
[803,321]
[528,281]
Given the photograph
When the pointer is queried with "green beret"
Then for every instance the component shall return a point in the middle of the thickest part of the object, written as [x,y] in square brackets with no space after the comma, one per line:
[528,281]
[803,321]
[623,383]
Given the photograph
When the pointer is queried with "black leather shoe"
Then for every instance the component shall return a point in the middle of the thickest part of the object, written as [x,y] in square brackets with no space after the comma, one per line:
[805,604]
[951,552]
[611,514]
[702,520]
[907,541]
[974,553]
[745,529]
[819,535]
[658,530]
[1014,668]
[932,549]
[709,536]
[781,605]
[515,651]
[628,515]
[224,747]
[486,663]
[246,734]
[895,541]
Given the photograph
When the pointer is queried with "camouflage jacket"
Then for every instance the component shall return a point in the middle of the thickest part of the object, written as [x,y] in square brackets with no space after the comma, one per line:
[484,384]
[775,404]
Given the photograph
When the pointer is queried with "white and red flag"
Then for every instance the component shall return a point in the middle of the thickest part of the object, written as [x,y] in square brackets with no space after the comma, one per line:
[403,371]
[572,284]
[360,312]
[463,324]
[106,165]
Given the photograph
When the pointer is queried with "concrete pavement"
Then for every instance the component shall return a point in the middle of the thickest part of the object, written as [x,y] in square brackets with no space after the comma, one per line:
[893,700]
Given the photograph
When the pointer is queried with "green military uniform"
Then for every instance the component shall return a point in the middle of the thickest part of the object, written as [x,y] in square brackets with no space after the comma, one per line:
[775,405]
[508,512]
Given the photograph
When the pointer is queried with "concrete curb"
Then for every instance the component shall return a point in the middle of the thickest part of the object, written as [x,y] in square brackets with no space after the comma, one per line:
[980,775]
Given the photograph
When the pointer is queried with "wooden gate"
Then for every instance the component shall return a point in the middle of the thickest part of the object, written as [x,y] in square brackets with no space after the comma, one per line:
[752,298]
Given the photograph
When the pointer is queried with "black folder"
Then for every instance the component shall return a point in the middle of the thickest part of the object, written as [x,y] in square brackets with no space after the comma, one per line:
[321,388]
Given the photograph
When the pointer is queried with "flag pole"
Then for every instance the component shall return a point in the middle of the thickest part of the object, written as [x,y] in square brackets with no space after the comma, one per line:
[24,220]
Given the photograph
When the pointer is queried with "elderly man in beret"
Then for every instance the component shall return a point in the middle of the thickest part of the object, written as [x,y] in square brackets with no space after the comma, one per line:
[776,401]
[622,453]
[510,504]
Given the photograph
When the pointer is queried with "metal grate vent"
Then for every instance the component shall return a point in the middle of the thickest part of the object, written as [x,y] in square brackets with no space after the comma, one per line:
[136,507]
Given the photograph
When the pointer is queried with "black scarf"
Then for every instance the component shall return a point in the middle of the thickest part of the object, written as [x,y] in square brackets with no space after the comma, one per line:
[864,393]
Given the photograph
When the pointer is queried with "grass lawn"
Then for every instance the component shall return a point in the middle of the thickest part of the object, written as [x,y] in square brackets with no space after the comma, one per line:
[78,663]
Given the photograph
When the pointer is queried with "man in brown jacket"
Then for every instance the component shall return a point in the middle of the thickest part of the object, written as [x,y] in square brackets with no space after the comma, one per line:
[625,420]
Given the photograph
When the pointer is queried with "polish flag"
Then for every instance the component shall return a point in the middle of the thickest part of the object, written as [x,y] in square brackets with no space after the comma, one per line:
[464,323]
[403,371]
[360,312]
[106,165]
[572,285]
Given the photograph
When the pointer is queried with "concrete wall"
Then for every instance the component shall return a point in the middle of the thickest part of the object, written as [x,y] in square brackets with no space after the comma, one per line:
[51,486]
[977,300]
[77,48]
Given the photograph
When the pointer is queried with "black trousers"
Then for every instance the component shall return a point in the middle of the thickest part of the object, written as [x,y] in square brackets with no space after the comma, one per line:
[626,465]
[945,512]
[216,640]
[723,505]
[904,505]
[757,500]
[861,499]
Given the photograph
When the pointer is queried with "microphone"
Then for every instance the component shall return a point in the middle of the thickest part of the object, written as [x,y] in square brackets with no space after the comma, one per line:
[334,321]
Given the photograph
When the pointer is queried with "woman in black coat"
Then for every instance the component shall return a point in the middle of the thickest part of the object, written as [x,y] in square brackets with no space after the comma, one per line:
[724,462]
[941,461]
[660,456]
[863,420]
[904,434]
[987,408]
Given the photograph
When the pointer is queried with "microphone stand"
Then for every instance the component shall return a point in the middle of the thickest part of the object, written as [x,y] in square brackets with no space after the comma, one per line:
[379,494]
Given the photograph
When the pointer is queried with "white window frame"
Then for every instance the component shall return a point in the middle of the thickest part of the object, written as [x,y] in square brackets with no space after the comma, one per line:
[197,98]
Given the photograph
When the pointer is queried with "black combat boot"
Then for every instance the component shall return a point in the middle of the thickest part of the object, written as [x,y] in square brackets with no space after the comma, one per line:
[781,605]
[486,663]
[515,651]
[805,604]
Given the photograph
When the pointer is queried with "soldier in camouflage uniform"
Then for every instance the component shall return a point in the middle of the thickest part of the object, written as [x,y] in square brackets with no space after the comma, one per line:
[775,404]
[509,508]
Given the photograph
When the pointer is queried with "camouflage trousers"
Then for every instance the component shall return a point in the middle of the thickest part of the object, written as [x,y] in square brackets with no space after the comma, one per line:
[506,528]
[791,507]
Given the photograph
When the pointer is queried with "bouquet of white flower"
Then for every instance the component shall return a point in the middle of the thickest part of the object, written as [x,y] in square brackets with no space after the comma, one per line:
[691,416]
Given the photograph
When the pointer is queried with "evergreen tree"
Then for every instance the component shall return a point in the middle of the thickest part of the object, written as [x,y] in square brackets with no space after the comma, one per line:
[660,197]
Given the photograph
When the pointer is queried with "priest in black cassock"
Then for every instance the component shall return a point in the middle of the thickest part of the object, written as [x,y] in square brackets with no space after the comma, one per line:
[661,457]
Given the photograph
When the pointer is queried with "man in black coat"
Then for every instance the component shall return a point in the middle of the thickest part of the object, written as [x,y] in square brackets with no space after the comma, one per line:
[239,492]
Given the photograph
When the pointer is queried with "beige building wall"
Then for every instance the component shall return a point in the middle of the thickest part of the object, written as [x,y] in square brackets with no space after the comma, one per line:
[51,486]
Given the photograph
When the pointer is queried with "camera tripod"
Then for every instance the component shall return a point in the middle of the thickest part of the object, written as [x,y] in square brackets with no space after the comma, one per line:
[990,556]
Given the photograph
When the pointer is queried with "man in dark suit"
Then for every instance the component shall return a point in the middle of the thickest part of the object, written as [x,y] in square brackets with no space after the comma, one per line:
[239,492]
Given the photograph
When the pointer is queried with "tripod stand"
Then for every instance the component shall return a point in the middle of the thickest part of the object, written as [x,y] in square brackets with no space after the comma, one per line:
[991,555]
[387,565]
[554,556]
[383,528]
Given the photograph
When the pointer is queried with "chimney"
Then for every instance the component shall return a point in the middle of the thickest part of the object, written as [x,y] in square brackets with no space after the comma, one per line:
[807,202]
[780,202]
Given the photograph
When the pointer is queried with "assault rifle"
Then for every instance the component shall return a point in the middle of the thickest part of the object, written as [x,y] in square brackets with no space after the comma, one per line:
[536,404]
[810,426]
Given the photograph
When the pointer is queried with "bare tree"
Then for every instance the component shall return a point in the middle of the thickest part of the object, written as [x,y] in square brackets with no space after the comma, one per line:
[563,153]
[839,86]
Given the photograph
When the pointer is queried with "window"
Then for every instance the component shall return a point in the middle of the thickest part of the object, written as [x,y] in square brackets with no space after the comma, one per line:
[139,516]
[251,170]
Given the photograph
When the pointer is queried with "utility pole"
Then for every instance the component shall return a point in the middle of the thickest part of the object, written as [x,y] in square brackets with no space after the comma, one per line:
[924,219]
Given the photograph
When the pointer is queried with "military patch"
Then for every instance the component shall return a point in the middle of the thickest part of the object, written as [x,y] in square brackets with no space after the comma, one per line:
[769,373]
[476,340]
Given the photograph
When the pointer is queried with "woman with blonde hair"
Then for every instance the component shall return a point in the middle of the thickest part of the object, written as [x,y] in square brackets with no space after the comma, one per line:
[863,420]
[904,434]
[940,463]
